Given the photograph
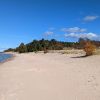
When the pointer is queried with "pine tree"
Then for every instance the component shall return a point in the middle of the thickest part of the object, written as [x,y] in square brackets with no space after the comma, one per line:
[22,48]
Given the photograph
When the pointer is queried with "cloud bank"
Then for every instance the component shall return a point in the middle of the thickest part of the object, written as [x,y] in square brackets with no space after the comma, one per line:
[82,35]
[76,32]
[74,29]
[90,18]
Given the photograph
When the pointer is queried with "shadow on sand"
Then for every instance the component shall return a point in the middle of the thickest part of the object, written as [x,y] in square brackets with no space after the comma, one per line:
[79,56]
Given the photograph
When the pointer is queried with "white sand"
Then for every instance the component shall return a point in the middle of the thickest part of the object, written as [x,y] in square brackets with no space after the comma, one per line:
[50,77]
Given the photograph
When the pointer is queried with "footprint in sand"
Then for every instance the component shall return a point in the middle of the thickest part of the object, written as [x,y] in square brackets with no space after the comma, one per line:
[92,82]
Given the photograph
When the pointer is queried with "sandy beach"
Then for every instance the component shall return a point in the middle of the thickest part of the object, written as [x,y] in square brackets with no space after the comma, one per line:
[51,76]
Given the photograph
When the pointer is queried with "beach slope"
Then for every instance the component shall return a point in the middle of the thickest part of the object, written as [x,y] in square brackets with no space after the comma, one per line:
[50,76]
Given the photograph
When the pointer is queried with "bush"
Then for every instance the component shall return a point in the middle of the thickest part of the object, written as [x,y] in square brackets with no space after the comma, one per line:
[89,48]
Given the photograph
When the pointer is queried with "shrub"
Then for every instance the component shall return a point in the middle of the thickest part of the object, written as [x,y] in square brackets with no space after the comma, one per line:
[89,48]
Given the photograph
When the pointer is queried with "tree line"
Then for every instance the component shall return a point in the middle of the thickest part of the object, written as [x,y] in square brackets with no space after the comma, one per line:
[45,45]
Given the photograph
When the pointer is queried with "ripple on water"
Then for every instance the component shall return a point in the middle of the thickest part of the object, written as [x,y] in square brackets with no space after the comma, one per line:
[4,57]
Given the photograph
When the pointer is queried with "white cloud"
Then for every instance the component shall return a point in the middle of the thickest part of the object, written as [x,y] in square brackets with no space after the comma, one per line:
[74,30]
[82,35]
[90,18]
[49,33]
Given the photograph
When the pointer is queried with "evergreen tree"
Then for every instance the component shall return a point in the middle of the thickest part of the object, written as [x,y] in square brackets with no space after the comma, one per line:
[22,48]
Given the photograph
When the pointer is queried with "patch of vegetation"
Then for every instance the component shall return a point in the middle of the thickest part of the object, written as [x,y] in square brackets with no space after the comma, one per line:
[41,45]
[89,48]
[44,45]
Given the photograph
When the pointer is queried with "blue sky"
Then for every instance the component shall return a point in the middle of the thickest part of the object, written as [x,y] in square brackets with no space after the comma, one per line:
[65,20]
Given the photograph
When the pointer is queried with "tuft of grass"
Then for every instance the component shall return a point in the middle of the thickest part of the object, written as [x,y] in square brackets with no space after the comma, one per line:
[97,52]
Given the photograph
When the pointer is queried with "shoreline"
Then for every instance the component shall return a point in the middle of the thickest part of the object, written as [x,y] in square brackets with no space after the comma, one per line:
[8,59]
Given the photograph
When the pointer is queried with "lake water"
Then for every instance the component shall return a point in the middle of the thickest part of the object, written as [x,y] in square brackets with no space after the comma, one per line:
[4,57]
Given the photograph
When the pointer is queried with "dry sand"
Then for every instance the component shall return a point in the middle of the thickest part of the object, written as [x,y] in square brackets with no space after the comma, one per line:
[50,76]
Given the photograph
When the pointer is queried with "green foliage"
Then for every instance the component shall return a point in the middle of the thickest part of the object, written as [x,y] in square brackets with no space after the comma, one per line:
[22,48]
[10,50]
[45,45]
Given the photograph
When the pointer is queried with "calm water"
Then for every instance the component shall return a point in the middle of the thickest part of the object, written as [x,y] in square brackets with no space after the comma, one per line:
[4,57]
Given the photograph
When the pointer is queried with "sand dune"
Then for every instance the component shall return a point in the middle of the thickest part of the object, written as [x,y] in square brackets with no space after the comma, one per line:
[51,76]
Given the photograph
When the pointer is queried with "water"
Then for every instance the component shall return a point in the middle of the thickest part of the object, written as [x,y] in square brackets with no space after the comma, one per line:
[4,57]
